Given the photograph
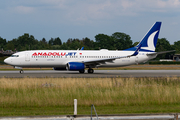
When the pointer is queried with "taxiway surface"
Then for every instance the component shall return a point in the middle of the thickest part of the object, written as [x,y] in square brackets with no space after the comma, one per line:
[97,73]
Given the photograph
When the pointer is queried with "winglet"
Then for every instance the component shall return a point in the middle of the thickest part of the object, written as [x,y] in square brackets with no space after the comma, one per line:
[82,48]
[137,50]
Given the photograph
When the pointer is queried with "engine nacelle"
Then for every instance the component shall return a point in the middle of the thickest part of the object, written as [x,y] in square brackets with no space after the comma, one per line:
[59,68]
[75,66]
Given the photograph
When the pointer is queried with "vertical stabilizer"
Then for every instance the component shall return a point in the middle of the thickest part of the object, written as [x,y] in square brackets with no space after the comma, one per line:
[148,43]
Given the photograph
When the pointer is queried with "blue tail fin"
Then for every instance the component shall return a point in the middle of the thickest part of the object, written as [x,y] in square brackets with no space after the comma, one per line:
[150,39]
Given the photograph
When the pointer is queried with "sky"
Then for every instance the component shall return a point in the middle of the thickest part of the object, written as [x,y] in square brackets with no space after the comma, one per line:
[87,18]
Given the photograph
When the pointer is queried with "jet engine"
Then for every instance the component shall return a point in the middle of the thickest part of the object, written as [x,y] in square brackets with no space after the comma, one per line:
[75,66]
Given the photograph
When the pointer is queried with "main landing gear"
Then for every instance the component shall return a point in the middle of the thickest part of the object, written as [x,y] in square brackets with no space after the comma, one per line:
[89,71]
[21,71]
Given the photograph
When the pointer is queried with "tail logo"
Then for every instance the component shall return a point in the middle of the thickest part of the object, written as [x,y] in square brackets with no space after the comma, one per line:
[150,42]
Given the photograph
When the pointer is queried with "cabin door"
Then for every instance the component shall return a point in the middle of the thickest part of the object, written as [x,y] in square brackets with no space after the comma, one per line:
[27,57]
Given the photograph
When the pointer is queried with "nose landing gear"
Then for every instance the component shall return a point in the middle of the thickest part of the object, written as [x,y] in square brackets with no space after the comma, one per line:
[21,71]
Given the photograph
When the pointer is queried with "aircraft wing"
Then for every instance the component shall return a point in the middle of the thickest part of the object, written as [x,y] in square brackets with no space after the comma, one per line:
[103,60]
[97,61]
[157,53]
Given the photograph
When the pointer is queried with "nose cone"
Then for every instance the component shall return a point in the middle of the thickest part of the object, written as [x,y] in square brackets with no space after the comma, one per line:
[7,61]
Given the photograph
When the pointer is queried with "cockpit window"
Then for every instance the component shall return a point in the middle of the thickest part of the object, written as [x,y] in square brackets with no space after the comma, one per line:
[14,55]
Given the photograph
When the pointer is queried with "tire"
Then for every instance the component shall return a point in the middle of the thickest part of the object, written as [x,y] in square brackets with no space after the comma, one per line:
[21,71]
[90,71]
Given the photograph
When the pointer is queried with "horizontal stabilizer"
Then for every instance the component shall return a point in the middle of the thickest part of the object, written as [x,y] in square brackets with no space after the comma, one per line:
[157,53]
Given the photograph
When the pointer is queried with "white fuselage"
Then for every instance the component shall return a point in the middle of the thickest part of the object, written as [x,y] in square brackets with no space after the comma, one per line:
[59,58]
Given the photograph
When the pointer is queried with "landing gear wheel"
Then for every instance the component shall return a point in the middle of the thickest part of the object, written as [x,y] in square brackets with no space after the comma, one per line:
[21,71]
[90,71]
[81,71]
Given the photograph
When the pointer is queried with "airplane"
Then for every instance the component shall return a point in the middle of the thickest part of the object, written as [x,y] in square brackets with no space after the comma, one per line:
[78,60]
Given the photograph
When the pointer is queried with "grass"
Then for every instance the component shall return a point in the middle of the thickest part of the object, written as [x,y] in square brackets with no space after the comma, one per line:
[54,96]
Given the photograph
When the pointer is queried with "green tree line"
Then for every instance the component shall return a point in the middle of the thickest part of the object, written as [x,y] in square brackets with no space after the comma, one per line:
[116,41]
